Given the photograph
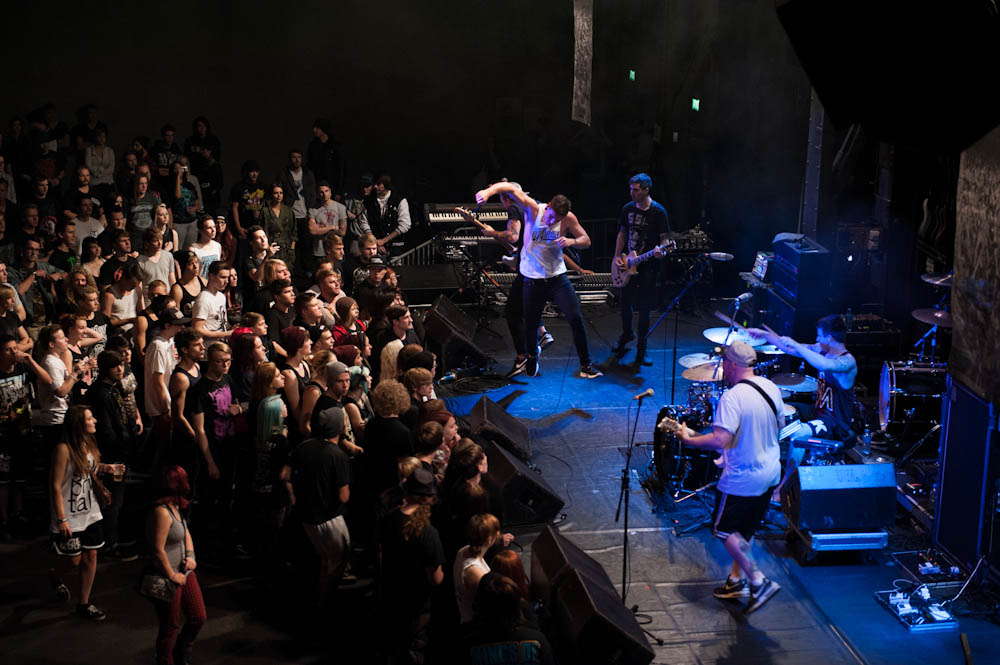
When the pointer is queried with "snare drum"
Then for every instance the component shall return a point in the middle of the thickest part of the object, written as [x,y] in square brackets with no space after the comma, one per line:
[910,394]
[682,467]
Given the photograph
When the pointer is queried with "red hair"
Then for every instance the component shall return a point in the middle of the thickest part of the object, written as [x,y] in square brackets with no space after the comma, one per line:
[441,417]
[173,487]
[509,564]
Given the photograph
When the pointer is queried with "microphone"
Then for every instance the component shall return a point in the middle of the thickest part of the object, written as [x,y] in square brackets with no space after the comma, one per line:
[743,297]
[643,395]
[718,256]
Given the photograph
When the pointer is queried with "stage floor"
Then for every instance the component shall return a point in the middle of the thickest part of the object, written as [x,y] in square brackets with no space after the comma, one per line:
[824,613]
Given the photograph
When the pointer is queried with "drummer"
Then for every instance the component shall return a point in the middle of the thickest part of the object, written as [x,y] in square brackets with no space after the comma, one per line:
[837,372]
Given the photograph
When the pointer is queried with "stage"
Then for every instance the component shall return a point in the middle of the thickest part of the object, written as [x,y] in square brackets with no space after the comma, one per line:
[825,613]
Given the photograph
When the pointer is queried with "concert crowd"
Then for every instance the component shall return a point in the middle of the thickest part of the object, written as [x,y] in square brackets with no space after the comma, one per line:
[202,374]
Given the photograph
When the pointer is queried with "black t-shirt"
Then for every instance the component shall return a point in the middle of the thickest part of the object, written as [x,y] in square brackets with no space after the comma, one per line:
[488,644]
[72,200]
[323,402]
[15,399]
[319,470]
[100,324]
[405,563]
[643,227]
[516,213]
[250,200]
[277,321]
[210,179]
[213,398]
[181,205]
[386,440]
[9,323]
[314,330]
[63,260]
[112,270]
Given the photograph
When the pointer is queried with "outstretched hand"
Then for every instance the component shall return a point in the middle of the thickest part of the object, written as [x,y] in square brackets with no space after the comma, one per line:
[482,196]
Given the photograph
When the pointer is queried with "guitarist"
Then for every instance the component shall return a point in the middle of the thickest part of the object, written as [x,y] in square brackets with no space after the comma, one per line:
[642,225]
[745,432]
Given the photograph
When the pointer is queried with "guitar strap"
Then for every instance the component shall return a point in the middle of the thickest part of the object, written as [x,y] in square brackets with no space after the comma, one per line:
[767,399]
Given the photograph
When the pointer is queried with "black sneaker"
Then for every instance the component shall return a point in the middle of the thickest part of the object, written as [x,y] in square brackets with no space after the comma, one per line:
[531,367]
[738,589]
[588,371]
[545,341]
[62,591]
[89,611]
[518,367]
[761,594]
[640,357]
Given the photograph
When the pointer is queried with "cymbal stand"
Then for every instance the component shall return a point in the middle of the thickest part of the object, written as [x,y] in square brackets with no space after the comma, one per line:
[684,530]
[673,307]
[474,281]
[932,333]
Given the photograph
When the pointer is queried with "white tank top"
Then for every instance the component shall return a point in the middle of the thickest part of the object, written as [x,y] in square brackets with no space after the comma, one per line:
[541,256]
[462,561]
[78,499]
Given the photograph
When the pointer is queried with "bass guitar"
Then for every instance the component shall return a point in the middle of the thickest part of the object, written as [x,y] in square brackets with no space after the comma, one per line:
[626,265]
[671,426]
[511,259]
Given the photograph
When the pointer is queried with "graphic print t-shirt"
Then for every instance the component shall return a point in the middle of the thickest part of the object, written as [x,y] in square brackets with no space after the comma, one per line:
[15,413]
[250,198]
[213,398]
[212,308]
[643,227]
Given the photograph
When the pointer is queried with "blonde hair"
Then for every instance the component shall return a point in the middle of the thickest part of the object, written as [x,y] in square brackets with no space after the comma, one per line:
[407,465]
[481,532]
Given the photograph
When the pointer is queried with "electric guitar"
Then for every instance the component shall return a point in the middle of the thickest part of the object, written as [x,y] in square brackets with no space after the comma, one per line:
[669,425]
[625,266]
[511,260]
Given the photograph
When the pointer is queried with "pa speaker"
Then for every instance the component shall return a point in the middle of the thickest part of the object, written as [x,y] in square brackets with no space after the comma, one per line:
[592,624]
[489,421]
[524,496]
[445,323]
[847,497]
[906,72]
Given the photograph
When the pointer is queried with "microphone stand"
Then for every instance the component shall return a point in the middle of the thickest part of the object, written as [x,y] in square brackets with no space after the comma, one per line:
[673,307]
[623,497]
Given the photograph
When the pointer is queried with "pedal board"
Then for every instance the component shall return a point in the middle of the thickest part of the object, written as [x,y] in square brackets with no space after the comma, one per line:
[918,612]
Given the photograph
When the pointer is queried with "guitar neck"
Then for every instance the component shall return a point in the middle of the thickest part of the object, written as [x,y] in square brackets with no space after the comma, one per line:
[790,430]
[648,255]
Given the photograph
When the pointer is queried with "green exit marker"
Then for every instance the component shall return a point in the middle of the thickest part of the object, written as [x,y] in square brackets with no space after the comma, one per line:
[695,104]
[631,75]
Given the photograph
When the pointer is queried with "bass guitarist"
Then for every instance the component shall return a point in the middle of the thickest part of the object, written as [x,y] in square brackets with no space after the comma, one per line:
[642,225]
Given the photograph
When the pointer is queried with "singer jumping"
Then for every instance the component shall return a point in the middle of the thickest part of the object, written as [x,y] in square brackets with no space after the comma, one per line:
[548,228]
[642,226]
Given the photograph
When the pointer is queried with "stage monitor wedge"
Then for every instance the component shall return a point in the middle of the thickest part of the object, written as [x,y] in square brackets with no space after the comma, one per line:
[489,421]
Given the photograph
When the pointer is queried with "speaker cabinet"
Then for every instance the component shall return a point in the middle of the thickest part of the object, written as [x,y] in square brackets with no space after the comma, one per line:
[965,491]
[524,496]
[489,421]
[593,625]
[446,323]
[848,497]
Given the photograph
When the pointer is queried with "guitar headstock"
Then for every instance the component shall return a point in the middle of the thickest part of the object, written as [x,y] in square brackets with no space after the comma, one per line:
[465,213]
[671,426]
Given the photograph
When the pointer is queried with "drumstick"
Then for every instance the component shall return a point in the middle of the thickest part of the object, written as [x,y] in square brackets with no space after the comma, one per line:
[731,322]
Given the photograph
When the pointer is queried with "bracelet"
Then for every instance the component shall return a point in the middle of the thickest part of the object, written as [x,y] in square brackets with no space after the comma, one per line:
[189,554]
[62,520]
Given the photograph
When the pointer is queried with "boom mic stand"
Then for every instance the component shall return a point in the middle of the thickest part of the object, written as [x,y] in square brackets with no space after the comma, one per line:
[623,497]
[673,307]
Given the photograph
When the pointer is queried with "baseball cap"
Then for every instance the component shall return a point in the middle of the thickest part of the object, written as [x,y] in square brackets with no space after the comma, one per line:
[174,317]
[740,353]
[420,483]
[377,262]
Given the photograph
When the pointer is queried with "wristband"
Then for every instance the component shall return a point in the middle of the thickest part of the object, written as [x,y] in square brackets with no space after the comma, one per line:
[189,554]
[62,520]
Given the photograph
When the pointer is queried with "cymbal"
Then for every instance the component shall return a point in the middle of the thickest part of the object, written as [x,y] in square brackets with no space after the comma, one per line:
[718,336]
[770,350]
[720,256]
[937,278]
[796,383]
[693,360]
[706,372]
[934,317]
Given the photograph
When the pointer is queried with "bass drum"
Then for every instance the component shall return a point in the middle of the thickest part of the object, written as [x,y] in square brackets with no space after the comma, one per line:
[681,467]
[909,396]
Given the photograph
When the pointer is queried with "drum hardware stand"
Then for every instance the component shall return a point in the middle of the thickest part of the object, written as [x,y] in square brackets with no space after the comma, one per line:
[623,497]
[932,333]
[673,307]
[473,281]
[679,530]
[905,457]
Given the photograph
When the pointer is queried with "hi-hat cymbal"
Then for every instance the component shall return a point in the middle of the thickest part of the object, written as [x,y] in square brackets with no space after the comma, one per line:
[718,336]
[933,317]
[769,350]
[693,360]
[706,372]
[937,278]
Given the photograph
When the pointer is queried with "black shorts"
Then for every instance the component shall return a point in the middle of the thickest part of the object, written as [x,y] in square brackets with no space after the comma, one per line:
[739,514]
[91,538]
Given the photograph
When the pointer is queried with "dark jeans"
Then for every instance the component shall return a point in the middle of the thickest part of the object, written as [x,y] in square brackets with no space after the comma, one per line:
[214,513]
[639,295]
[112,512]
[560,291]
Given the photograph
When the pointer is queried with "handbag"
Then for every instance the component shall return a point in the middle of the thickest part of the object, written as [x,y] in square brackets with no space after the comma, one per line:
[157,586]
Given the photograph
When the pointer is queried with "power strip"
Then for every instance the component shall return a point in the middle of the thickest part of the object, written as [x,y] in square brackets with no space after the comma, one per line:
[918,611]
